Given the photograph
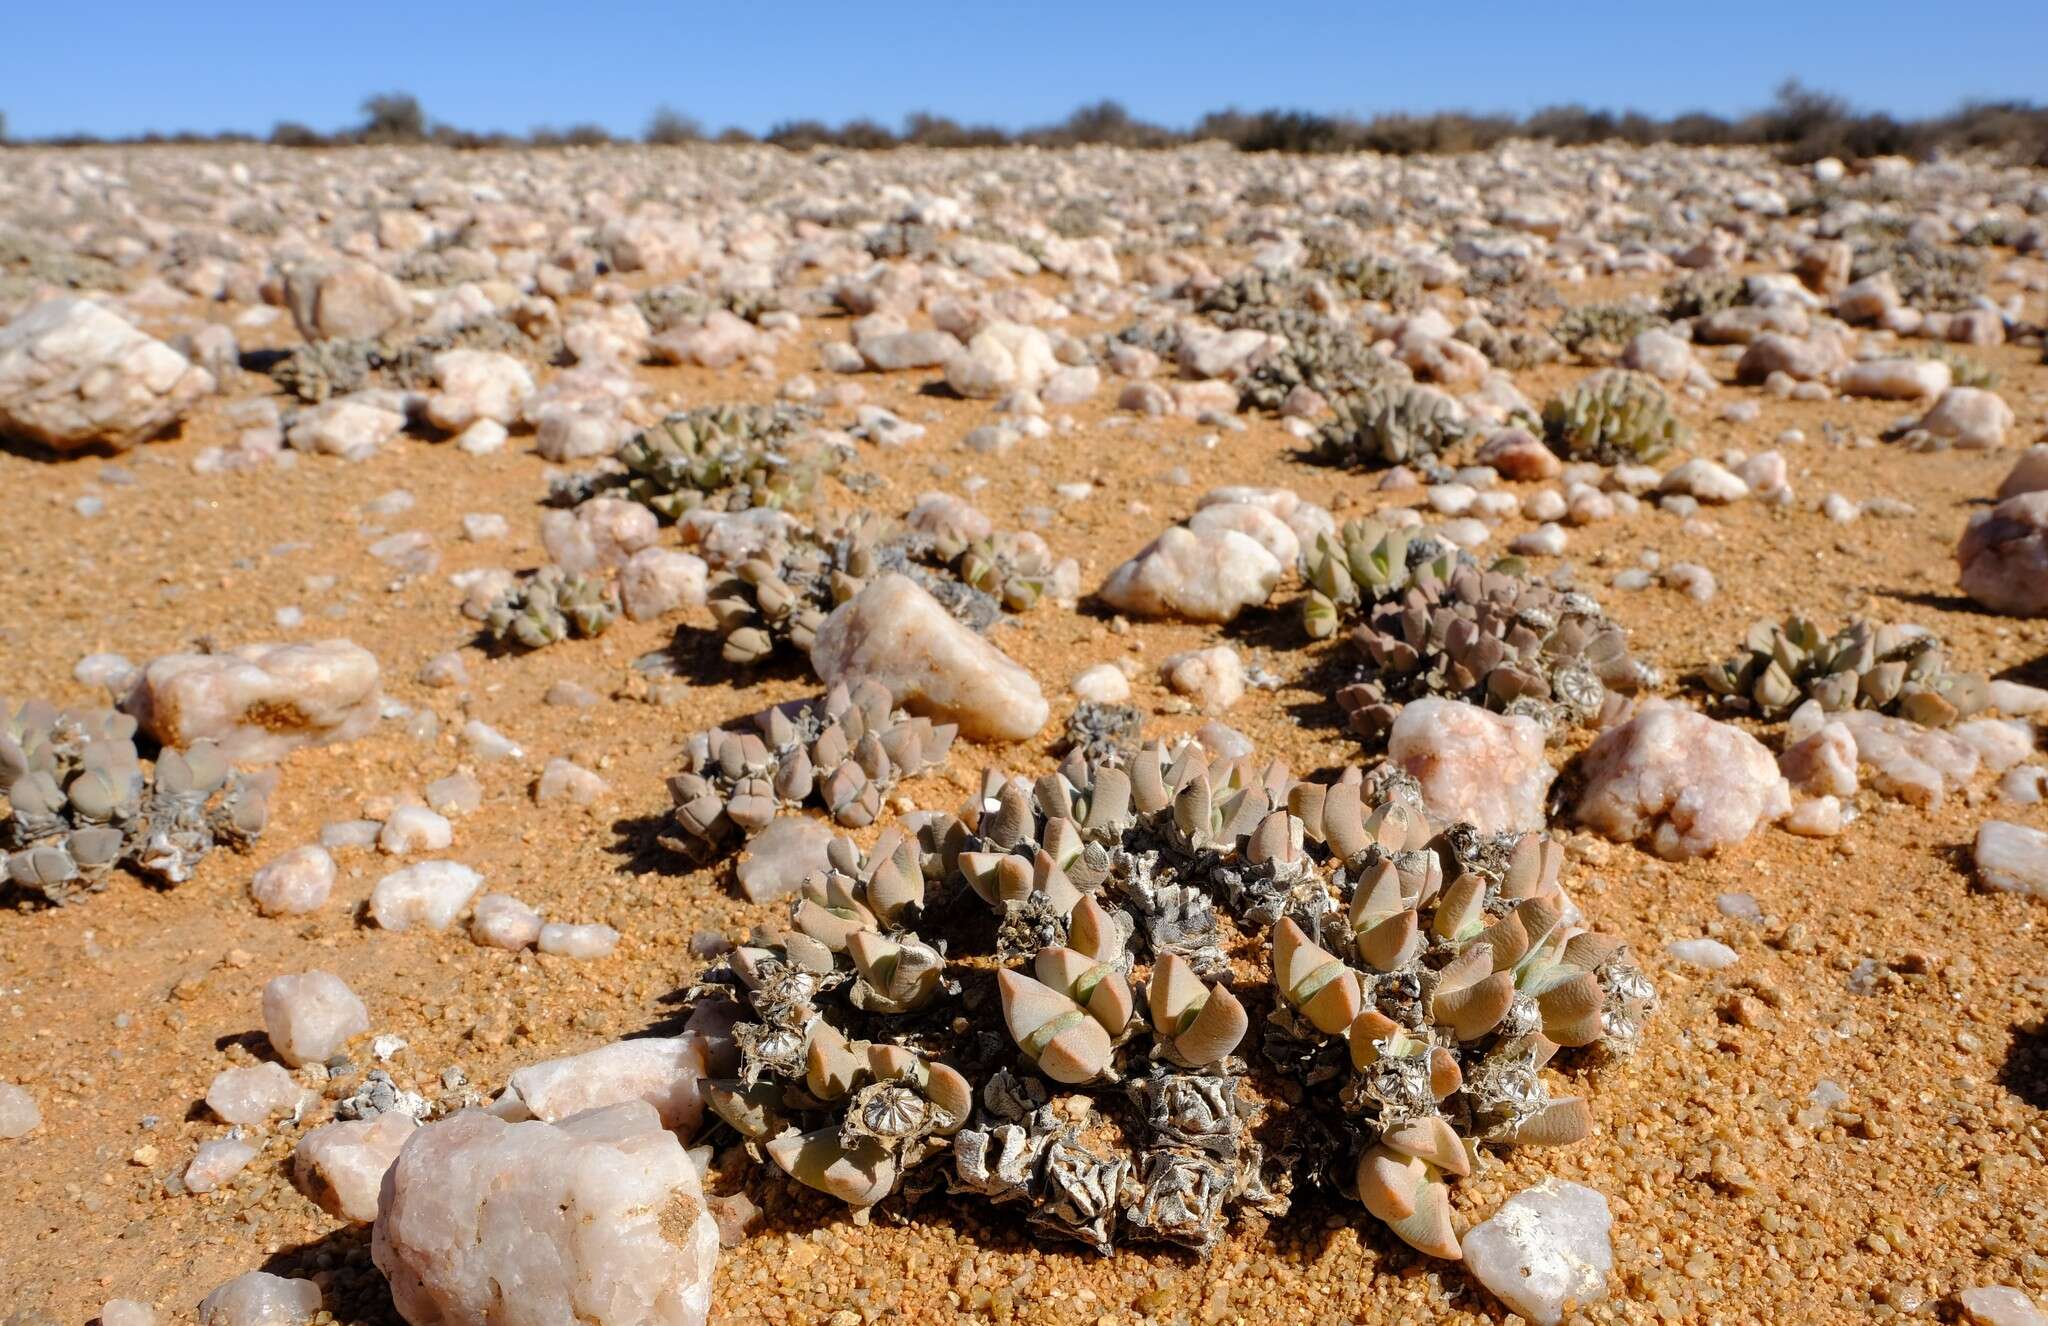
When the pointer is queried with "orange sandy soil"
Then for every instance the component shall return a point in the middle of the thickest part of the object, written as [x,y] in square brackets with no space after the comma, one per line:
[1733,1201]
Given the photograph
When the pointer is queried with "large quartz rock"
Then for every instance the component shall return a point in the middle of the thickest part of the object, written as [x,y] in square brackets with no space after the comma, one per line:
[1913,763]
[783,855]
[602,532]
[663,1071]
[477,384]
[1202,576]
[252,1094]
[348,299]
[429,895]
[1003,357]
[259,702]
[1970,418]
[2004,556]
[341,1165]
[310,1015]
[258,1298]
[1474,765]
[73,374]
[598,1220]
[1682,783]
[2029,473]
[1547,1246]
[2012,858]
[896,633]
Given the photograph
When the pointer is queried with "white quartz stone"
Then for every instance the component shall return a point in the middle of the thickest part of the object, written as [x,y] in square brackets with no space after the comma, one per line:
[1201,577]
[311,1015]
[258,1298]
[1474,765]
[502,921]
[1546,1246]
[429,895]
[1681,782]
[341,1165]
[216,1163]
[252,1095]
[564,940]
[2012,858]
[414,829]
[295,883]
[598,1220]
[259,701]
[663,1071]
[19,1113]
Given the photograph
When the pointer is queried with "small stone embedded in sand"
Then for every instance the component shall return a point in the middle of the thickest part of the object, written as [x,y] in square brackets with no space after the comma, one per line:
[341,1165]
[2000,743]
[259,702]
[1819,817]
[1213,678]
[1546,1246]
[503,921]
[258,1298]
[411,829]
[1200,577]
[1894,379]
[1707,954]
[1969,418]
[1705,481]
[216,1163]
[311,1015]
[1102,683]
[295,883]
[565,780]
[2004,556]
[1474,765]
[586,941]
[1680,782]
[19,1113]
[895,633]
[126,1312]
[457,794]
[1999,1305]
[657,581]
[429,895]
[1917,765]
[73,374]
[488,744]
[2012,858]
[254,1094]
[665,1072]
[599,1219]
[782,856]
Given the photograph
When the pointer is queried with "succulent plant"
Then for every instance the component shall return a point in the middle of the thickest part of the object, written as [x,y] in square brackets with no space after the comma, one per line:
[1613,417]
[1696,294]
[1510,348]
[728,457]
[1900,670]
[1418,978]
[1390,425]
[842,750]
[1964,370]
[317,370]
[1370,277]
[1252,298]
[548,605]
[667,306]
[1333,361]
[79,802]
[1426,620]
[1602,328]
[1927,276]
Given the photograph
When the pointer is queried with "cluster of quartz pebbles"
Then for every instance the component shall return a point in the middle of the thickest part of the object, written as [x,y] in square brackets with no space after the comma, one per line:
[1416,982]
[80,802]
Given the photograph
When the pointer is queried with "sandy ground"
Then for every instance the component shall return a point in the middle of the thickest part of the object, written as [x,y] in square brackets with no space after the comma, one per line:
[1734,1199]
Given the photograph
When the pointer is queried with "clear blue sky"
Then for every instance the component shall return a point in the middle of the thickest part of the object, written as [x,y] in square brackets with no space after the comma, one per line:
[123,66]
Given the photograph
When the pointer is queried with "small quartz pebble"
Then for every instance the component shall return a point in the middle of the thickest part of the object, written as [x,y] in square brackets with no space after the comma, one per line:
[782,856]
[339,835]
[1997,1305]
[444,669]
[1546,1246]
[126,1312]
[259,1298]
[565,780]
[479,526]
[1820,817]
[1710,954]
[663,1071]
[414,829]
[1212,677]
[570,695]
[216,1163]
[2025,786]
[252,1095]
[502,921]
[310,1015]
[577,941]
[340,1165]
[1104,683]
[19,1114]
[429,895]
[2012,858]
[457,794]
[1740,907]
[295,883]
[487,743]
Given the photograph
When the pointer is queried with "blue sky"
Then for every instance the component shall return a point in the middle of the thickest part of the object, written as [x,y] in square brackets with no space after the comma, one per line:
[124,66]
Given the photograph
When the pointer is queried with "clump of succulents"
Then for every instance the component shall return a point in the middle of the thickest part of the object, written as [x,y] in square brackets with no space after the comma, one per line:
[1104,733]
[1697,294]
[1964,370]
[317,370]
[1391,425]
[1330,360]
[550,604]
[1614,417]
[775,603]
[79,802]
[1373,278]
[1416,980]
[1929,277]
[1511,348]
[841,750]
[668,306]
[1253,298]
[1901,670]
[726,457]
[1602,328]
[1425,619]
